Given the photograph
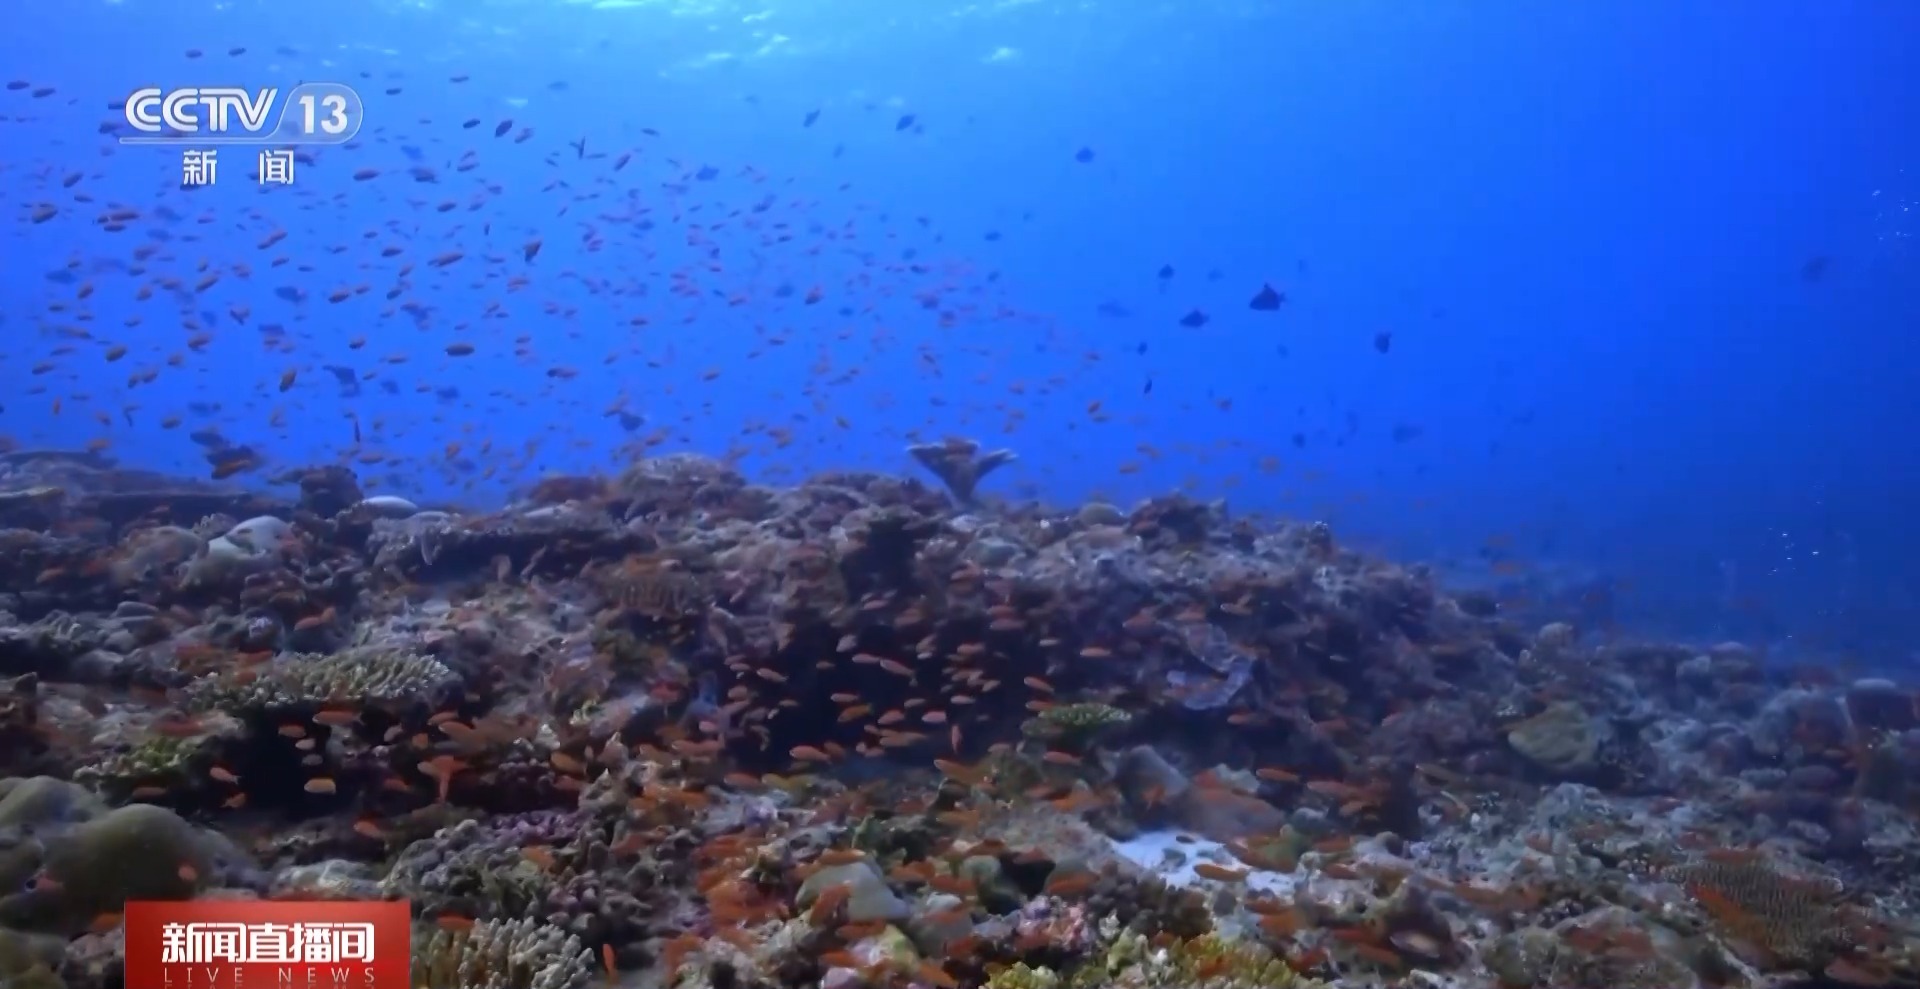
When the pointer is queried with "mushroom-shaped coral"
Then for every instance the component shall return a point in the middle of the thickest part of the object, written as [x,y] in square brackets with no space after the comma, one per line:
[959,464]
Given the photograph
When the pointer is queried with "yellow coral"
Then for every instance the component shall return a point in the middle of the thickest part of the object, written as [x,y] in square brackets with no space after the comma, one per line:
[1216,961]
[1020,975]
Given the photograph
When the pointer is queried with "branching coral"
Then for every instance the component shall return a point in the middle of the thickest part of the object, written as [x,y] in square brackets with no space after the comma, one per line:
[162,761]
[368,677]
[502,954]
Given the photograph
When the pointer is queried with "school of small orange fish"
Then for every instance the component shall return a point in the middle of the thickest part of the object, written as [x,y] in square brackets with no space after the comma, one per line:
[667,727]
[652,722]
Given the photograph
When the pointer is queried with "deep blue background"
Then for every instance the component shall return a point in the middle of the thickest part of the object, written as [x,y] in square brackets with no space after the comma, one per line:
[1585,224]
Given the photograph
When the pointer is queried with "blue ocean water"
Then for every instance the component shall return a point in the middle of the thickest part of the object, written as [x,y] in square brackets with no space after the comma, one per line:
[1609,302]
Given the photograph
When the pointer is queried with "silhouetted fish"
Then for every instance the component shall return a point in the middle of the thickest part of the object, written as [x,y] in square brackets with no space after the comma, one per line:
[812,115]
[1267,299]
[1194,320]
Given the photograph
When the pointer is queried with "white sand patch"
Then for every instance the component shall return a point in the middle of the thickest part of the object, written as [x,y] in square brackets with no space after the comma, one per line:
[1172,856]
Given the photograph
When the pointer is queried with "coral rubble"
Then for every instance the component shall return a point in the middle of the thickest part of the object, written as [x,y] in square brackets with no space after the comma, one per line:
[670,728]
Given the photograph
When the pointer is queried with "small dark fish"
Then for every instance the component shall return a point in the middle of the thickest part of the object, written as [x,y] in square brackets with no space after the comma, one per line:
[579,148]
[500,129]
[290,293]
[904,122]
[1300,440]
[1267,299]
[236,52]
[1165,272]
[558,86]
[343,374]
[629,421]
[194,53]
[812,115]
[1148,390]
[1406,432]
[209,438]
[1141,348]
[15,85]
[1815,268]
[707,173]
[1383,341]
[1194,320]
[1083,156]
[470,123]
[413,154]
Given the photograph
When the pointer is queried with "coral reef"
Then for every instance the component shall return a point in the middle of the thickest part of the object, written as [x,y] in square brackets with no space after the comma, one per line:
[677,728]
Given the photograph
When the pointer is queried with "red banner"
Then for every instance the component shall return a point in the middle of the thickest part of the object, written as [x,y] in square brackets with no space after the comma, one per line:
[257,944]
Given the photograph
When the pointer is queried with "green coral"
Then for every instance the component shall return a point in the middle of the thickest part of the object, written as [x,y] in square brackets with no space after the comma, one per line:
[1020,975]
[41,802]
[1209,961]
[373,677]
[1075,722]
[136,852]
[28,961]
[502,954]
[158,761]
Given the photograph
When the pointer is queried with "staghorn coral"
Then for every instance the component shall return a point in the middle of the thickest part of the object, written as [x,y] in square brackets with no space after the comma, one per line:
[371,677]
[500,954]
